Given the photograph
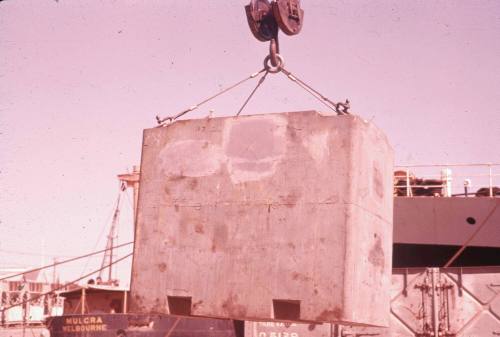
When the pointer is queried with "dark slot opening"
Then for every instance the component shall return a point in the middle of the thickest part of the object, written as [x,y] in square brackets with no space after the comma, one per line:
[286,309]
[179,305]
[418,255]
[239,328]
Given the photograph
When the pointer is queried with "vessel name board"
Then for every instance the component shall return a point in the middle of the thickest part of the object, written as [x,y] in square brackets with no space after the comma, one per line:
[82,324]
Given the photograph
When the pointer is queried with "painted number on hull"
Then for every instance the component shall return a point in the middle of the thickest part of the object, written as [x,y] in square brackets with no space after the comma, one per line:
[278,334]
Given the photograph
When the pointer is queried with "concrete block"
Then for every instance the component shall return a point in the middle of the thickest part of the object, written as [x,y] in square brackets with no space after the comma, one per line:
[284,217]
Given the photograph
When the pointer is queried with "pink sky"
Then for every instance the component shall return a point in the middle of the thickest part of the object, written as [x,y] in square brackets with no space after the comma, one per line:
[80,80]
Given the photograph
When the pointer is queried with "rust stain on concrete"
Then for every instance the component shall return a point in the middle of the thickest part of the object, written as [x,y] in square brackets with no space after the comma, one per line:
[220,235]
[193,183]
[330,315]
[376,255]
[176,177]
[378,184]
[232,308]
[197,304]
[198,228]
[291,199]
[296,276]
[162,267]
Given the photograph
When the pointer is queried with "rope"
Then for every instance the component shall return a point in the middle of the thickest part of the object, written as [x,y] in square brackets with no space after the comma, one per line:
[194,107]
[65,261]
[339,108]
[261,80]
[64,285]
[309,91]
[460,251]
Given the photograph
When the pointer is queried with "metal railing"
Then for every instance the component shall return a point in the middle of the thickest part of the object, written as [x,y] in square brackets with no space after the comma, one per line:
[447,180]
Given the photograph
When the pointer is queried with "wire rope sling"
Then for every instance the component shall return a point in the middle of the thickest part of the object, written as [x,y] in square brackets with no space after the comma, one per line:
[266,19]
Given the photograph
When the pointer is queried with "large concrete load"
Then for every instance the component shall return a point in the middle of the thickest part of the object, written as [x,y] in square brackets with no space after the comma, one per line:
[283,217]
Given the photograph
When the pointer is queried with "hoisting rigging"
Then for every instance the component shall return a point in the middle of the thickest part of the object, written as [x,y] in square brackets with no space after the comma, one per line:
[266,19]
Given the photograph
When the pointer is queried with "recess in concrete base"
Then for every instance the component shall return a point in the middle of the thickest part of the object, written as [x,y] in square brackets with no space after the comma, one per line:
[179,305]
[288,310]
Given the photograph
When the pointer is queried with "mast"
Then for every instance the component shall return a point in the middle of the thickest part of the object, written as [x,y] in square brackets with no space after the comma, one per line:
[108,255]
[132,180]
[127,180]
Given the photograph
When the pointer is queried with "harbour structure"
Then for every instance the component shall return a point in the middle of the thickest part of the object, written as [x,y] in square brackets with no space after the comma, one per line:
[21,288]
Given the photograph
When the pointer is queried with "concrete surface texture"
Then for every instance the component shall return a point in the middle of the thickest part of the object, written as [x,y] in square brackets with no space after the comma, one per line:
[467,306]
[283,217]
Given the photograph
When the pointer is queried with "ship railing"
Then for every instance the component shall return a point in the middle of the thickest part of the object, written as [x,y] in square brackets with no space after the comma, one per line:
[447,180]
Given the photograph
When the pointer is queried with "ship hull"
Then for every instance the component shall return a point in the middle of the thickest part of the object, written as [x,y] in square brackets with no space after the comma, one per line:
[140,325]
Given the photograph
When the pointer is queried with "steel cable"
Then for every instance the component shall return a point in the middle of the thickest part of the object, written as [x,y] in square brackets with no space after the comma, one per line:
[194,107]
[339,108]
[319,98]
[261,80]
[64,285]
[65,261]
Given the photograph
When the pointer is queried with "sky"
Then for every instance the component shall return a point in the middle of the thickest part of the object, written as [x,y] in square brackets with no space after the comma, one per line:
[80,80]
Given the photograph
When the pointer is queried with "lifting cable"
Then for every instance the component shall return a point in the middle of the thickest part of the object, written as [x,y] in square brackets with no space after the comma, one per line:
[341,108]
[65,261]
[65,285]
[194,107]
[266,19]
[261,80]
